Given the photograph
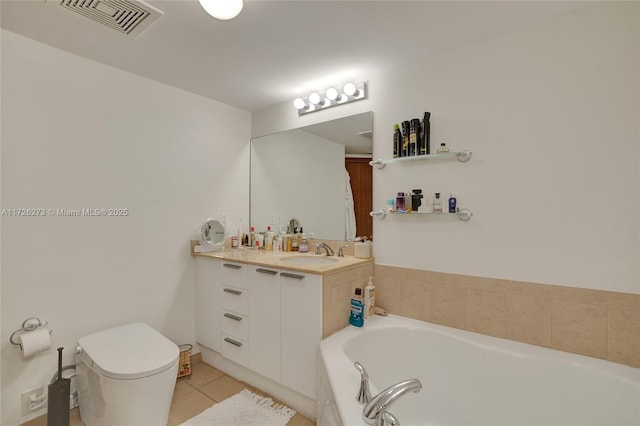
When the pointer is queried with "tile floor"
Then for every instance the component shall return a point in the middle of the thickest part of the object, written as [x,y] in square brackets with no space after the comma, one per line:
[192,395]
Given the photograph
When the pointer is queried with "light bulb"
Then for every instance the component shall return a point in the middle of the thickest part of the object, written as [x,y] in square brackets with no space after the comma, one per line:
[314,98]
[299,103]
[222,9]
[350,89]
[331,94]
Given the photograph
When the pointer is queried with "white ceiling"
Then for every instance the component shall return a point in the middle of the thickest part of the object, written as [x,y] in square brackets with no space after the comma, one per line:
[276,50]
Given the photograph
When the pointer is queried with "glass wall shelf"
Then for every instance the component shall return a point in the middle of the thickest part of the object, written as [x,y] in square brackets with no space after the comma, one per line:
[463,214]
[463,156]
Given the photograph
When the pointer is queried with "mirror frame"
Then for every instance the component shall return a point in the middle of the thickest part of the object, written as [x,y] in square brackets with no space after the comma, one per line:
[217,227]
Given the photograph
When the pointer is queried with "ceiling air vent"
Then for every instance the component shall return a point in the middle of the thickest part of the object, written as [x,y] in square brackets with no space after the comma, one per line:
[127,17]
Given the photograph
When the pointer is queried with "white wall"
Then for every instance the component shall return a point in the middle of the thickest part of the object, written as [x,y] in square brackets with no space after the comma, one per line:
[298,174]
[551,115]
[77,134]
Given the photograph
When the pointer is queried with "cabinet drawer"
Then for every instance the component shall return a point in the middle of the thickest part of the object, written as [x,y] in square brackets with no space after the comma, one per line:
[235,325]
[234,274]
[235,299]
[235,349]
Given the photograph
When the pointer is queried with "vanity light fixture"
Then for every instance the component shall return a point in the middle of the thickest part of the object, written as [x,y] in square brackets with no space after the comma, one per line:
[222,9]
[350,92]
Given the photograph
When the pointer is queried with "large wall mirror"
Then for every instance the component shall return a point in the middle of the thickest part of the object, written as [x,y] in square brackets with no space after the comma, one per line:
[318,175]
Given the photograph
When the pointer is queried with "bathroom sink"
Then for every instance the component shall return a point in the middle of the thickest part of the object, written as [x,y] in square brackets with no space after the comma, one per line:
[309,260]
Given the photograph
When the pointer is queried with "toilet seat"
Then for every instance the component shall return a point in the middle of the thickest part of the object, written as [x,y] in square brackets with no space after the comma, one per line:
[128,352]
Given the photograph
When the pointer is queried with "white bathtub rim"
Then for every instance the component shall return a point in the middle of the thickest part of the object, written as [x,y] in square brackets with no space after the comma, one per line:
[345,379]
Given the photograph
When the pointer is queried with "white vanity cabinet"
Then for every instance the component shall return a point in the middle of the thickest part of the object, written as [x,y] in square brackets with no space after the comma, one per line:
[208,324]
[234,311]
[301,328]
[266,319]
[264,333]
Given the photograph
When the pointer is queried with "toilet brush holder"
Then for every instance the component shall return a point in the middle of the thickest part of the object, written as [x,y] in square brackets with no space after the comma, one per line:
[58,398]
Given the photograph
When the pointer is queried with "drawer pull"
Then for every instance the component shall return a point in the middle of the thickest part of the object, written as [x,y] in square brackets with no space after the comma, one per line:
[289,275]
[233,317]
[232,291]
[233,342]
[231,265]
[267,271]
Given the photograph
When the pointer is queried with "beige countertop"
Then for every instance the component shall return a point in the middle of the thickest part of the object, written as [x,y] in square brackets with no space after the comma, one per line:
[278,260]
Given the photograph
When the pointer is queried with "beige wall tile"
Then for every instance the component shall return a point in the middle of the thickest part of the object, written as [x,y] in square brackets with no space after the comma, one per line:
[579,328]
[415,301]
[448,305]
[623,337]
[486,312]
[528,319]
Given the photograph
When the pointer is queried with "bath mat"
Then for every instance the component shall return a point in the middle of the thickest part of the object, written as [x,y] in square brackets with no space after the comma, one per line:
[243,409]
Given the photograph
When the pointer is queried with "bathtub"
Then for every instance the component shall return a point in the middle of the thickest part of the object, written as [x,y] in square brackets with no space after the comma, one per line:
[470,379]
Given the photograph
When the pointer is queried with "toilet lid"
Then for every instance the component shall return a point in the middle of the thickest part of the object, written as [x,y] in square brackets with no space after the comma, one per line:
[129,352]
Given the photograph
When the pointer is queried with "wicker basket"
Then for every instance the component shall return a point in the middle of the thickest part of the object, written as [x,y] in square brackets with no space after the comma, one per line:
[184,363]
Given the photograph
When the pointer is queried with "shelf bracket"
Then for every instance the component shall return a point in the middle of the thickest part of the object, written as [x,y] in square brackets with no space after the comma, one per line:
[464,214]
[378,163]
[380,214]
[464,156]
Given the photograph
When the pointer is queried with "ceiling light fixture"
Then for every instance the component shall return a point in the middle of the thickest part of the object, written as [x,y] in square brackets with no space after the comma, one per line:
[350,92]
[222,9]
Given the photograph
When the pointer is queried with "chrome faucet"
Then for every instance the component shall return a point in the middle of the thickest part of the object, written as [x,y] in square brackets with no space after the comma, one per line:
[326,247]
[340,252]
[375,412]
[364,394]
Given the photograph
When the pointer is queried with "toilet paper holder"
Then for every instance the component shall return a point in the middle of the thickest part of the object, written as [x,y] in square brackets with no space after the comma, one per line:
[29,324]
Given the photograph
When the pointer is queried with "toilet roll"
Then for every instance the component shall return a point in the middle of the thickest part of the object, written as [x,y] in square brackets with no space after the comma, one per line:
[32,342]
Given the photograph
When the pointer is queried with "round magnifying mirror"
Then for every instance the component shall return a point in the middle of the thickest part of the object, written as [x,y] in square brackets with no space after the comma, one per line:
[294,224]
[213,233]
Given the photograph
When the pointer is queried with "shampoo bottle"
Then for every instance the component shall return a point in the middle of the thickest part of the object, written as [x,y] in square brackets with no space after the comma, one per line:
[357,309]
[397,141]
[369,298]
[452,203]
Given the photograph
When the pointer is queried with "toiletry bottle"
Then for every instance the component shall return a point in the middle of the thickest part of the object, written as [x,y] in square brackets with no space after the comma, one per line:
[400,201]
[391,205]
[260,241]
[295,242]
[268,239]
[452,203]
[304,244]
[407,201]
[416,199]
[357,309]
[443,149]
[437,203]
[397,141]
[415,137]
[412,138]
[426,135]
[405,139]
[252,237]
[369,298]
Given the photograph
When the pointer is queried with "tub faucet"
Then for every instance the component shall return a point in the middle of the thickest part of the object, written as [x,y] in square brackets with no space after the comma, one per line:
[326,247]
[364,394]
[375,412]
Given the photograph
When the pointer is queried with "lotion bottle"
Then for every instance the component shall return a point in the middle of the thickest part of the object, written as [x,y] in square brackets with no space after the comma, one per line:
[369,298]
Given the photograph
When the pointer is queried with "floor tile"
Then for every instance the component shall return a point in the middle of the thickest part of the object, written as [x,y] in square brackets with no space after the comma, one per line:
[182,388]
[202,374]
[223,388]
[188,406]
[300,420]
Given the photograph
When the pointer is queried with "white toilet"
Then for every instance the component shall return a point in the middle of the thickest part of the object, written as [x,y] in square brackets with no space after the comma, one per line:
[125,376]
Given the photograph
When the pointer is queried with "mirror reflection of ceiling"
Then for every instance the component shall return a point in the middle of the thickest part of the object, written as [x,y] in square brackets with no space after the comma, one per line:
[274,51]
[354,132]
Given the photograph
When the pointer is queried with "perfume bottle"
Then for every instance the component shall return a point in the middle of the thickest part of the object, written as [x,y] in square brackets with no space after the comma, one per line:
[437,203]
[442,149]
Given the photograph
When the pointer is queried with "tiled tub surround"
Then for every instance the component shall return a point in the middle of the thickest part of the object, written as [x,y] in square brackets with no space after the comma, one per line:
[596,323]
